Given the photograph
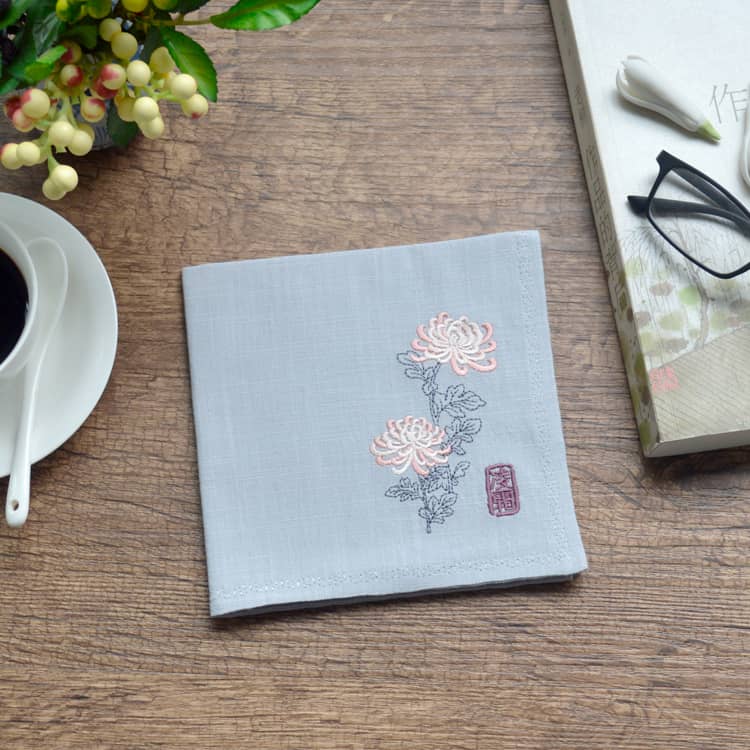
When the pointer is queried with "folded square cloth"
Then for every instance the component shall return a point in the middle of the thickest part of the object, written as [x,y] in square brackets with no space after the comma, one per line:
[378,423]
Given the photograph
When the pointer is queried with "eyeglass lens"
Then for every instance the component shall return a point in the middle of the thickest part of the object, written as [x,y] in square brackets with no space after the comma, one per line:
[703,220]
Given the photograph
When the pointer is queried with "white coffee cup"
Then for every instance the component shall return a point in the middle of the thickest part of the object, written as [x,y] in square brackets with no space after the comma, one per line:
[12,245]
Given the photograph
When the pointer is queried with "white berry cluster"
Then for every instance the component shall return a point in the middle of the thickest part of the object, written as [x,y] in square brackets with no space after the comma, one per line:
[88,82]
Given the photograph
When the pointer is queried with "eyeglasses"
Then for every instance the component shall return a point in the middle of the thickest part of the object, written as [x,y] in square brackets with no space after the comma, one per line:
[697,217]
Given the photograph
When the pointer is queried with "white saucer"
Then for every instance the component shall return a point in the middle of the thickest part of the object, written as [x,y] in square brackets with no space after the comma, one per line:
[81,354]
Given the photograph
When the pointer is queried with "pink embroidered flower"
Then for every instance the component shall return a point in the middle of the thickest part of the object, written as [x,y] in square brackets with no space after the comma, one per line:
[411,441]
[461,342]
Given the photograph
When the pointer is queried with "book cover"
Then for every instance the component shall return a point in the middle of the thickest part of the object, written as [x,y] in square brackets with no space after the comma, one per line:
[684,334]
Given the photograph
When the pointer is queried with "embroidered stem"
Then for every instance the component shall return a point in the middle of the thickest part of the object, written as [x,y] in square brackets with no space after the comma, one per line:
[435,411]
[423,483]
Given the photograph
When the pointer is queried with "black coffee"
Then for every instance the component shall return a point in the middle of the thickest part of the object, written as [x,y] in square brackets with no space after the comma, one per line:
[14,299]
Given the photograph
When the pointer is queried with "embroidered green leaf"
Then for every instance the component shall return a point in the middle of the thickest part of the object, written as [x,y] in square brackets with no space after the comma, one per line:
[437,510]
[413,369]
[439,478]
[429,386]
[458,401]
[461,430]
[258,15]
[192,59]
[460,471]
[405,490]
[471,426]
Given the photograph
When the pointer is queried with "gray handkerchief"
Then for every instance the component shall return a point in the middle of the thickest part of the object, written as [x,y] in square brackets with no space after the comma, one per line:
[378,423]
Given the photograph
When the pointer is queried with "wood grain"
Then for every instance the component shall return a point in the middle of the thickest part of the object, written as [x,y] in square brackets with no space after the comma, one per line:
[366,124]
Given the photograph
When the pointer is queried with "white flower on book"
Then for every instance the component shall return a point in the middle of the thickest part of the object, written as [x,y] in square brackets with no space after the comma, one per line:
[643,84]
[462,342]
[411,441]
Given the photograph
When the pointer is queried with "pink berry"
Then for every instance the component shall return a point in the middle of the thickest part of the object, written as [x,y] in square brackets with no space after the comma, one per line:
[113,76]
[21,121]
[73,54]
[71,76]
[35,103]
[93,109]
[102,91]
[11,105]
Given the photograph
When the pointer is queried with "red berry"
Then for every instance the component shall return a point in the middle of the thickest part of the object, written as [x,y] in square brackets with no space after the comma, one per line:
[73,54]
[71,76]
[21,121]
[35,103]
[93,109]
[102,91]
[11,105]
[113,76]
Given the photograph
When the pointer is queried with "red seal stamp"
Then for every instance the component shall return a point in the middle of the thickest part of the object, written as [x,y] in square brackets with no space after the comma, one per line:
[502,490]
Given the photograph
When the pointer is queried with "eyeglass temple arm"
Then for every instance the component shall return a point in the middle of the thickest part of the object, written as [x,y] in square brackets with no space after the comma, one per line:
[707,189]
[639,204]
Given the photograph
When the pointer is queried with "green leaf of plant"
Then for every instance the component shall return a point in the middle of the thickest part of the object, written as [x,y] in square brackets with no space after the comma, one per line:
[188,6]
[17,9]
[43,66]
[86,34]
[25,54]
[45,29]
[258,15]
[10,85]
[192,59]
[120,132]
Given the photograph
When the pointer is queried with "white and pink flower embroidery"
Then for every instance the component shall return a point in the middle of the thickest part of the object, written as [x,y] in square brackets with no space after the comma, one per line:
[458,341]
[415,442]
[411,441]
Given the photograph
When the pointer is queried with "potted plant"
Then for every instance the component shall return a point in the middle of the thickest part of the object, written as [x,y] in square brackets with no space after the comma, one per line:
[70,66]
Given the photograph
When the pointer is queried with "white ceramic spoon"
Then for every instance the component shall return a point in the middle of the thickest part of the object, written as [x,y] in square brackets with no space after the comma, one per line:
[52,280]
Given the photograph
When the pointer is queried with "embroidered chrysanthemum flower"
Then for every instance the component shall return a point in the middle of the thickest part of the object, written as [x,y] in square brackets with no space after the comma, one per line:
[411,441]
[462,342]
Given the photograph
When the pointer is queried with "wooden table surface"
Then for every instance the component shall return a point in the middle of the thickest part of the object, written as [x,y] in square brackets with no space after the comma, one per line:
[366,124]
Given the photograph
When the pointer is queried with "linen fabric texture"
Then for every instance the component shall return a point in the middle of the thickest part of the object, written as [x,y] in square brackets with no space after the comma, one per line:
[378,423]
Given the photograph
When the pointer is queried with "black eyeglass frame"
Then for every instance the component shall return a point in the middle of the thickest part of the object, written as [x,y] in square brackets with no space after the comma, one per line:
[642,205]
